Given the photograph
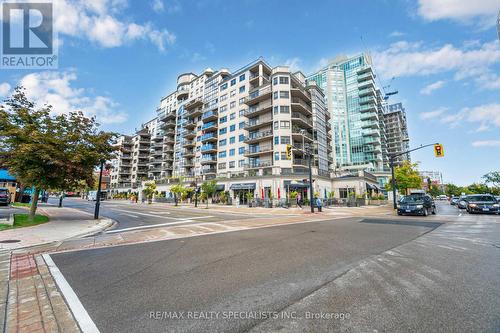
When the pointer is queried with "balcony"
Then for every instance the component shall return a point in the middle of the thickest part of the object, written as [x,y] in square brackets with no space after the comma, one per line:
[197,102]
[302,162]
[259,150]
[371,132]
[366,92]
[259,136]
[209,127]
[368,107]
[195,113]
[188,163]
[156,153]
[259,95]
[209,148]
[369,116]
[168,124]
[254,78]
[254,111]
[299,105]
[297,134]
[366,100]
[369,124]
[366,76]
[209,137]
[188,153]
[166,167]
[190,125]
[189,143]
[154,170]
[208,160]
[189,134]
[182,92]
[301,119]
[257,165]
[258,123]
[300,93]
[168,140]
[209,115]
[208,171]
[366,85]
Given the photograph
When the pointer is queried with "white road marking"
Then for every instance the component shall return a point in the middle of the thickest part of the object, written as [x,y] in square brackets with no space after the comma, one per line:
[183,221]
[131,215]
[82,317]
[146,214]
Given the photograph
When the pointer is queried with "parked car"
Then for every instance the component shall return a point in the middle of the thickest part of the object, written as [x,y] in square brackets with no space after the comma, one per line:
[454,201]
[482,203]
[4,196]
[442,197]
[498,198]
[462,202]
[416,205]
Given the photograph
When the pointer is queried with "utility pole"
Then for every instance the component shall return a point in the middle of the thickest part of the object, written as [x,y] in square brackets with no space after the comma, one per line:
[195,191]
[98,196]
[391,163]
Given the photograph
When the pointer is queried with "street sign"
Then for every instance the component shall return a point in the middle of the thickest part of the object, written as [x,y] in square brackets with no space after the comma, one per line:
[438,150]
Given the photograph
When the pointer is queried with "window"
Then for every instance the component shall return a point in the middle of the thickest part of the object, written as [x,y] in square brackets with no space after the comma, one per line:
[232,128]
[241,138]
[223,130]
[232,140]
[223,108]
[232,93]
[285,140]
[242,89]
[275,81]
[231,152]
[223,119]
[275,95]
[284,109]
[283,155]
[232,116]
[232,105]
[222,166]
[231,165]
[284,94]
[222,142]
[241,163]
[242,112]
[233,82]
[222,153]
[283,80]
[241,150]
[276,108]
[242,101]
[276,140]
[276,156]
[285,124]
[223,97]
[276,125]
[223,87]
[241,125]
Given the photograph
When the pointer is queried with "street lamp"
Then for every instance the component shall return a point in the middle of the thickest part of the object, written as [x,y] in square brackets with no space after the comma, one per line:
[98,198]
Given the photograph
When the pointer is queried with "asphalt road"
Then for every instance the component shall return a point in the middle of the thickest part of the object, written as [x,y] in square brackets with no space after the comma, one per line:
[139,215]
[246,272]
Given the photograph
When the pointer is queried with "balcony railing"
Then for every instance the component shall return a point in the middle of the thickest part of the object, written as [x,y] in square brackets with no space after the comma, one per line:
[258,135]
[253,165]
[297,115]
[259,149]
[208,136]
[208,147]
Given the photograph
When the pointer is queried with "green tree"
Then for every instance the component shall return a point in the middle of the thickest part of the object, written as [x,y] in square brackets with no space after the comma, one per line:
[435,191]
[477,188]
[47,151]
[177,190]
[149,191]
[406,176]
[209,188]
[492,178]
[452,190]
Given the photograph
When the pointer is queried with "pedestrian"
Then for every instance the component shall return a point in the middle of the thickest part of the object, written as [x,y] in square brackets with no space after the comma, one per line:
[319,204]
[299,200]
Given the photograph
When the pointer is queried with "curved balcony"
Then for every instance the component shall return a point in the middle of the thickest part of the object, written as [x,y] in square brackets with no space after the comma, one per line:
[190,134]
[195,103]
[260,150]
[301,120]
[209,137]
[209,116]
[209,148]
[189,143]
[258,123]
[190,125]
[259,95]
[259,136]
[210,127]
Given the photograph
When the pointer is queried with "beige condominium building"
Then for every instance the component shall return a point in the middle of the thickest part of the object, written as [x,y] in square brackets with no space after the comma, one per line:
[235,127]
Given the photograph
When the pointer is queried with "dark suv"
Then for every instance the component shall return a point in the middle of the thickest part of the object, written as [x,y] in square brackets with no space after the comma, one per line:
[416,204]
[482,203]
[4,196]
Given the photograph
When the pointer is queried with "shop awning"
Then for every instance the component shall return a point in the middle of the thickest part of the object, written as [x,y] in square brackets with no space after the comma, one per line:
[220,187]
[295,184]
[243,186]
[370,187]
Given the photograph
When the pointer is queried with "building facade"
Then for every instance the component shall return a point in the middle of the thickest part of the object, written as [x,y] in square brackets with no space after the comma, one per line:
[235,127]
[396,131]
[355,104]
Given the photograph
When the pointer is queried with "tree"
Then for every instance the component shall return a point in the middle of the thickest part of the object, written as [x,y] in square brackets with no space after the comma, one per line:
[452,190]
[492,178]
[407,177]
[47,151]
[209,188]
[149,190]
[177,190]
[435,191]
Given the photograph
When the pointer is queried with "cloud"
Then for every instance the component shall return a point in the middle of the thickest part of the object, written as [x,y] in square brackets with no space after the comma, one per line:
[427,90]
[56,89]
[433,114]
[4,89]
[101,22]
[413,59]
[486,143]
[480,12]
[158,6]
[487,115]
[293,63]
[396,34]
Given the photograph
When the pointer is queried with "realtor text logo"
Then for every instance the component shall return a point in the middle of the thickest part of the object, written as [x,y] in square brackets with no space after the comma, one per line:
[27,36]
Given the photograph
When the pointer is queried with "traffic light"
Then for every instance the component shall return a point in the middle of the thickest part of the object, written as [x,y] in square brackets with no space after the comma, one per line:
[438,150]
[289,152]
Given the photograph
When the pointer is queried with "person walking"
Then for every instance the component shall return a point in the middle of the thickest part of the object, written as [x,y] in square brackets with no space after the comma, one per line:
[299,200]
[319,204]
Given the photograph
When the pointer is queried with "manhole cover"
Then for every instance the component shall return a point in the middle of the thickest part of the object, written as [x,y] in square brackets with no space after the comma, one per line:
[10,241]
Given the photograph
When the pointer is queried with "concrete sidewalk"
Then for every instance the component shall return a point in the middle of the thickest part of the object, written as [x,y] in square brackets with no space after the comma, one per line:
[64,223]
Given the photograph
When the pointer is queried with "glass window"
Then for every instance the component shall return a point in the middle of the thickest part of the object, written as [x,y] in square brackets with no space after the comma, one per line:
[232,93]
[276,156]
[284,109]
[232,128]
[222,142]
[285,124]
[241,150]
[241,163]
[275,109]
[242,89]
[276,140]
[223,130]
[232,165]
[275,81]
[275,95]
[222,153]
[232,105]
[284,94]
[283,79]
[276,125]
[222,119]
[223,87]
[242,77]
[233,82]
[231,152]
[241,138]
[232,116]
[242,100]
[232,140]
[241,125]
[222,166]
[223,108]
[285,140]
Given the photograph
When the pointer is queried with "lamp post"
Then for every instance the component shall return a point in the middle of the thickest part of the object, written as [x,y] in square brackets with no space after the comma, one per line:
[195,191]
[98,198]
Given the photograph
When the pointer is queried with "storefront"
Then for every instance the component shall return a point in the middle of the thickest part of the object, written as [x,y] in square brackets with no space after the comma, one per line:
[241,192]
